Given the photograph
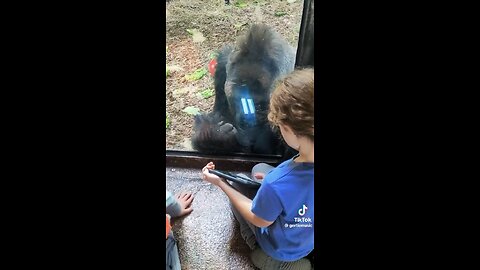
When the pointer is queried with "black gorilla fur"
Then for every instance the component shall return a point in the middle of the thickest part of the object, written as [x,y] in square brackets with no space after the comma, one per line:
[250,70]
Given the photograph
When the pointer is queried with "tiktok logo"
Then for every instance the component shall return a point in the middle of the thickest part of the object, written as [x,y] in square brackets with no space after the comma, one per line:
[302,210]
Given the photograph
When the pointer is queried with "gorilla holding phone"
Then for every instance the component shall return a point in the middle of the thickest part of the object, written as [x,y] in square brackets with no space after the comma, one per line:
[244,78]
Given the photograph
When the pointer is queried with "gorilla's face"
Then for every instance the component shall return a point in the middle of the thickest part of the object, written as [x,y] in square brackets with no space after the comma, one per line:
[247,83]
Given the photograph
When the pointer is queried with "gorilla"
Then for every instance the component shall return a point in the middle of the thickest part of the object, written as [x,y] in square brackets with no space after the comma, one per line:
[244,78]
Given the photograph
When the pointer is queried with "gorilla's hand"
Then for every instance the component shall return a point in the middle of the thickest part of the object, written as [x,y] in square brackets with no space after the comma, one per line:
[214,135]
[226,128]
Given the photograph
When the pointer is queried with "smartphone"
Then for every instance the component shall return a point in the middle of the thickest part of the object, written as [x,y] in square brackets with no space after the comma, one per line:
[235,178]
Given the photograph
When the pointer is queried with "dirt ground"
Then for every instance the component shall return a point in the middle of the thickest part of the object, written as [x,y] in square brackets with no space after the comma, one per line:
[211,24]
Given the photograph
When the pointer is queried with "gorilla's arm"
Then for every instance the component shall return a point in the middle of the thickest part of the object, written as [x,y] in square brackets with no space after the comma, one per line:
[221,103]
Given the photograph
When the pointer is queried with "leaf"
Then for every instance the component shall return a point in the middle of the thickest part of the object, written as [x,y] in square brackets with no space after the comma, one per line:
[240,4]
[205,93]
[191,110]
[167,122]
[239,25]
[198,37]
[213,55]
[196,75]
[280,13]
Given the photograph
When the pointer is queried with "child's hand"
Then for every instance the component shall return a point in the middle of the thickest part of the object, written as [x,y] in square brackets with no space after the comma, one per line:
[185,200]
[259,176]
[207,176]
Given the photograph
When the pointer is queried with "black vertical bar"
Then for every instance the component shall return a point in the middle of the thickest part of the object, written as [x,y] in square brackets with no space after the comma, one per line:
[306,40]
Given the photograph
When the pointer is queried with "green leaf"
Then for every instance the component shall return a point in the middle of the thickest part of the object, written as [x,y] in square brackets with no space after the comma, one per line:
[239,25]
[168,70]
[240,4]
[167,122]
[196,75]
[198,37]
[191,110]
[205,93]
[213,55]
[280,13]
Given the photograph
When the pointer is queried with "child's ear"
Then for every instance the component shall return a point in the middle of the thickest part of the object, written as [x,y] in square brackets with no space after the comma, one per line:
[287,129]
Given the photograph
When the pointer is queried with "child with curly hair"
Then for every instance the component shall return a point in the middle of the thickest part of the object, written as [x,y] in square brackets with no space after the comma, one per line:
[278,223]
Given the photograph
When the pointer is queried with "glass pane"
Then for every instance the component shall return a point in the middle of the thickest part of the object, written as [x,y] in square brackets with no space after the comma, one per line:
[196,31]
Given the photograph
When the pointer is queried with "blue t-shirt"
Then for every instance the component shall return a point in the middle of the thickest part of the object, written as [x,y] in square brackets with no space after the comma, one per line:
[286,197]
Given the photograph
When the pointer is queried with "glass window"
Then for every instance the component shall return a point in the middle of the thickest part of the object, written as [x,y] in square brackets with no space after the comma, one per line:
[196,32]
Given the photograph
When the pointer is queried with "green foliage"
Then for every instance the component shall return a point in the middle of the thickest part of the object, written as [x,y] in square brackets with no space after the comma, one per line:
[205,93]
[167,122]
[280,13]
[240,25]
[197,36]
[196,75]
[191,110]
[213,55]
[240,3]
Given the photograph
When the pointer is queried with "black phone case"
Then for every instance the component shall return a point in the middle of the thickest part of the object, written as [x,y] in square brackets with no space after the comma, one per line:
[235,178]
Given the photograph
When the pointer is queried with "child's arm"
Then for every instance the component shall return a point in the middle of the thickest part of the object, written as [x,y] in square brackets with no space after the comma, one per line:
[173,207]
[243,205]
[239,201]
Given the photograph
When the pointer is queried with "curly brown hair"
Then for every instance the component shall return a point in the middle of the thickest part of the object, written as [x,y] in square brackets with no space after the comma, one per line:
[292,103]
